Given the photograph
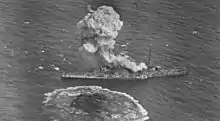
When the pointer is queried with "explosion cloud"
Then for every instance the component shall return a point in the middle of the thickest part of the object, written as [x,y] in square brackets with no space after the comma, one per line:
[97,32]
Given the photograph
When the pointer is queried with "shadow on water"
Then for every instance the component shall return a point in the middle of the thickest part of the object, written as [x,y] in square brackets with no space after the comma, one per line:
[37,44]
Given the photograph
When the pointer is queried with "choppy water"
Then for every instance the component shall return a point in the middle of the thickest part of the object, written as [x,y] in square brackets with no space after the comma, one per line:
[37,38]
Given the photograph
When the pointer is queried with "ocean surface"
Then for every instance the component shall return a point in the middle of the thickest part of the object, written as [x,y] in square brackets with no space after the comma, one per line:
[37,44]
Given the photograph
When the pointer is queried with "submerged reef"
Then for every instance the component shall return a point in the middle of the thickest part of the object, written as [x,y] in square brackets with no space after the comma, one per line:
[97,32]
[93,103]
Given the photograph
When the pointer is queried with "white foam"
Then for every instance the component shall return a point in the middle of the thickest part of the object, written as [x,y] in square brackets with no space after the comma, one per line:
[74,91]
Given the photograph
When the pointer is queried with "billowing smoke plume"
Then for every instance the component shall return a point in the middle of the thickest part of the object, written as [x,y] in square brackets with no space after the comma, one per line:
[97,31]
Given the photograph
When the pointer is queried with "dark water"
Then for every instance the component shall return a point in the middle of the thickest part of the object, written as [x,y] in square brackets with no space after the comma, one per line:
[37,38]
